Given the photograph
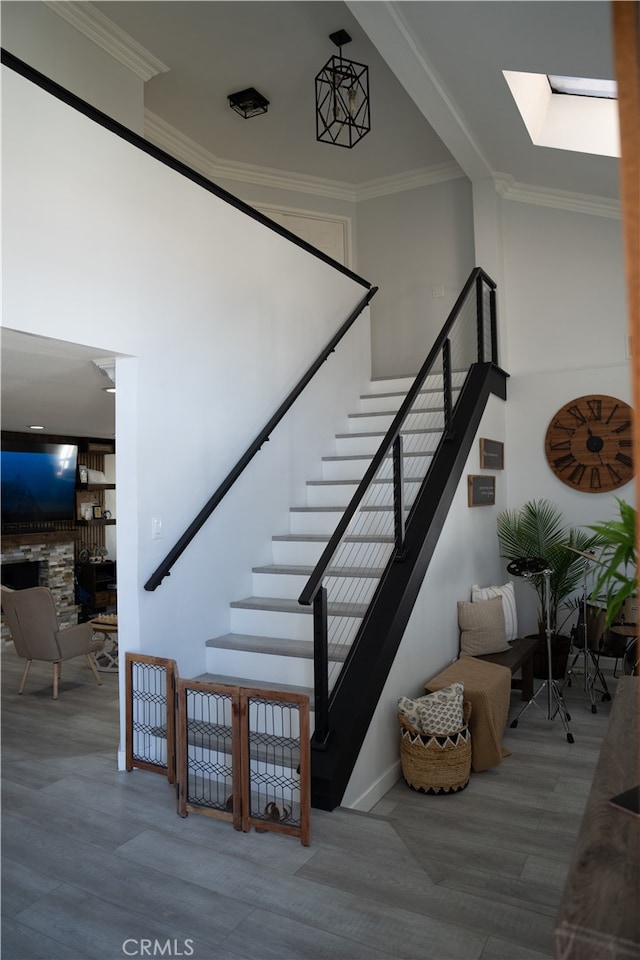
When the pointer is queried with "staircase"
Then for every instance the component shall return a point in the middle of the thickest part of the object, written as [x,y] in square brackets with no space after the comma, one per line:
[271,638]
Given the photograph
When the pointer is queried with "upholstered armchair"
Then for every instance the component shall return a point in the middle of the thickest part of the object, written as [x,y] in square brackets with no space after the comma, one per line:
[32,620]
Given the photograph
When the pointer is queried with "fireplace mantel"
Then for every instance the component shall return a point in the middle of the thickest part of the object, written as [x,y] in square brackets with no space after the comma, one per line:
[10,540]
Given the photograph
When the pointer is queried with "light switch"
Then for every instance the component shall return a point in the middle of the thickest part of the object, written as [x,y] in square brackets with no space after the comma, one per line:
[156,528]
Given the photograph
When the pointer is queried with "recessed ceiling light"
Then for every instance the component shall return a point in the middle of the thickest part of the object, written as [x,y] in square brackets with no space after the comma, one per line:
[36,426]
[109,389]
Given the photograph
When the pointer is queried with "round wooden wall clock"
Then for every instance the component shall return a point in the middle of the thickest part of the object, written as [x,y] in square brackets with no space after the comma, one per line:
[588,443]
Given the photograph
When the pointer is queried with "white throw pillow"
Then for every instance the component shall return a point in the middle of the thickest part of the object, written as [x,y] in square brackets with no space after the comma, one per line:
[508,595]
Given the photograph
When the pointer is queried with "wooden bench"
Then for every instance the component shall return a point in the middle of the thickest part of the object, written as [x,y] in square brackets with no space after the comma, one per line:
[518,657]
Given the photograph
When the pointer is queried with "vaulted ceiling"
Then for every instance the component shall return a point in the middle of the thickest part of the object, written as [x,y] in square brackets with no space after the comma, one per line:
[438,97]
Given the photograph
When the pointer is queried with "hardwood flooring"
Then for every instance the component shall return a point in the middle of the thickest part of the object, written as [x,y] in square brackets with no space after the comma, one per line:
[97,864]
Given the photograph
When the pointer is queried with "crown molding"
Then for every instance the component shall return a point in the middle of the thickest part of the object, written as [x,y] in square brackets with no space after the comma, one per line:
[109,37]
[509,189]
[168,138]
[410,180]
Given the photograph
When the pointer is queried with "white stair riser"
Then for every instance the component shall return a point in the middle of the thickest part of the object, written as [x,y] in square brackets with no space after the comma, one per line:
[378,522]
[404,384]
[382,421]
[309,552]
[268,668]
[368,443]
[290,586]
[314,521]
[291,626]
[297,551]
[393,401]
[341,494]
[352,469]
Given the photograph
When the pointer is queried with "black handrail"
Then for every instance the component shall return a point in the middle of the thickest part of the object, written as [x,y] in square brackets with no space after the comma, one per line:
[164,568]
[315,580]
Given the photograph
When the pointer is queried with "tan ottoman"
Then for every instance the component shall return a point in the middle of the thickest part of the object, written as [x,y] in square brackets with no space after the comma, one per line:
[488,687]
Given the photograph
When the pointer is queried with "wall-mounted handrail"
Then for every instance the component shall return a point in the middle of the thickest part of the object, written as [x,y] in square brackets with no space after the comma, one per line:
[165,567]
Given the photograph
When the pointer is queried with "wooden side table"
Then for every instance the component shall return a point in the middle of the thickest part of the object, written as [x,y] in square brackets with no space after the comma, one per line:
[107,658]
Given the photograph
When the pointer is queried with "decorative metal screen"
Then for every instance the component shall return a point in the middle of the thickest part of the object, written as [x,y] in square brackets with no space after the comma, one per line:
[275,762]
[209,750]
[150,705]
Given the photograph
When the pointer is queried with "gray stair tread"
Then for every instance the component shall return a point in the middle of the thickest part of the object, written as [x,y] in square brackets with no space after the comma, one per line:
[274,646]
[363,507]
[355,483]
[296,570]
[393,413]
[257,684]
[285,605]
[325,537]
[346,457]
[375,434]
[400,393]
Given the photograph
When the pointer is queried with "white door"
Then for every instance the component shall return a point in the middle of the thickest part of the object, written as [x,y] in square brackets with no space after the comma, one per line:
[328,234]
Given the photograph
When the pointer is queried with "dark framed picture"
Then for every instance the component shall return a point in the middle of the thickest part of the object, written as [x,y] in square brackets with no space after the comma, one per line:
[491,454]
[97,513]
[481,490]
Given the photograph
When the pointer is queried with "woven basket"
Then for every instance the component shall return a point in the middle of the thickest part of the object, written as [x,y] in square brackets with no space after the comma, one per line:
[436,764]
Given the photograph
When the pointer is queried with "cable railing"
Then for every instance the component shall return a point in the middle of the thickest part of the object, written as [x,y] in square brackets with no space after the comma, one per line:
[371,531]
[164,569]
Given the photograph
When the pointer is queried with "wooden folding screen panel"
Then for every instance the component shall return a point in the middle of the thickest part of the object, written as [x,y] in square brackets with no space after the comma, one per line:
[275,762]
[208,755]
[150,691]
[243,755]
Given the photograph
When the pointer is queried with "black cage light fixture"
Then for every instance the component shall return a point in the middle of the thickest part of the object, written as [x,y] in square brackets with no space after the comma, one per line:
[248,103]
[342,98]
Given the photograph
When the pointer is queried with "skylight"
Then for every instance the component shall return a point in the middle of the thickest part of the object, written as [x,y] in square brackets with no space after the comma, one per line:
[582,87]
[582,122]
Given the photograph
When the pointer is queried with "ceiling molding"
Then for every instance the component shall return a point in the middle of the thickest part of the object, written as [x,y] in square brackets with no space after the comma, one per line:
[110,38]
[411,180]
[168,138]
[509,189]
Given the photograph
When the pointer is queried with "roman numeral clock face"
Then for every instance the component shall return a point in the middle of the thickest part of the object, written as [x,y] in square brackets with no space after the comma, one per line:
[588,444]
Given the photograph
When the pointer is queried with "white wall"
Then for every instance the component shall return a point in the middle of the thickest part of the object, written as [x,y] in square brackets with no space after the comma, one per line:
[132,258]
[409,243]
[34,33]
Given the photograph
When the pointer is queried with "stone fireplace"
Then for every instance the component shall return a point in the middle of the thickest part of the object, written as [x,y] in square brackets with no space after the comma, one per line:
[54,554]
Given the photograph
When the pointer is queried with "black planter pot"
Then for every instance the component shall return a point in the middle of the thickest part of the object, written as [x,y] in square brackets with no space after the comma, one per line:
[560,647]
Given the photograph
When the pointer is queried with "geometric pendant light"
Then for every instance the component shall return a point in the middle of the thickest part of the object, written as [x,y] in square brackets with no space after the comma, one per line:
[342,98]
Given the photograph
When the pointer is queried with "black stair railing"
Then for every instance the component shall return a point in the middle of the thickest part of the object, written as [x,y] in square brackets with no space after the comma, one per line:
[164,569]
[371,531]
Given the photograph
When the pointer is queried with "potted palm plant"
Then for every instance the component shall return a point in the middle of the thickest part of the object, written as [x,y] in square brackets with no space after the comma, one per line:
[616,572]
[539,529]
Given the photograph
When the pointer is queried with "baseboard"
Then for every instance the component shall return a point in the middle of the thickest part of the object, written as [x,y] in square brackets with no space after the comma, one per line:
[377,790]
[122,760]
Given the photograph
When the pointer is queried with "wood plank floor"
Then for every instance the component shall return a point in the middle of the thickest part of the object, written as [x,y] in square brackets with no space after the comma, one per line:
[96,863]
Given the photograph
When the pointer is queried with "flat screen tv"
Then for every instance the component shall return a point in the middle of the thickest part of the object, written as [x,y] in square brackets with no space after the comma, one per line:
[38,481]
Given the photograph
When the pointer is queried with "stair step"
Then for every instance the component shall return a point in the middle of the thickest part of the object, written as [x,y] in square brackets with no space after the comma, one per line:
[306,571]
[274,646]
[289,580]
[257,684]
[285,605]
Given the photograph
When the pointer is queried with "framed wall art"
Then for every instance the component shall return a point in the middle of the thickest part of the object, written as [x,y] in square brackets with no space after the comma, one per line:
[482,490]
[491,454]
